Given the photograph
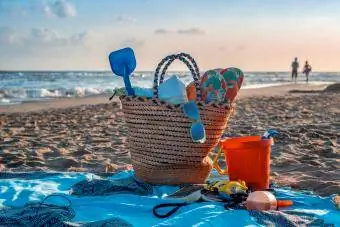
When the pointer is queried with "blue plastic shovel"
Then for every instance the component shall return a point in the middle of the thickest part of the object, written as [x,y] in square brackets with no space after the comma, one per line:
[123,63]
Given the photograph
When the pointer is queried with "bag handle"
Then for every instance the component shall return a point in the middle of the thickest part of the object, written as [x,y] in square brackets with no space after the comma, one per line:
[186,59]
[189,58]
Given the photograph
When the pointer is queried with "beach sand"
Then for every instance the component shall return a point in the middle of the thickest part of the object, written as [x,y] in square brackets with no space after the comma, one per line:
[89,134]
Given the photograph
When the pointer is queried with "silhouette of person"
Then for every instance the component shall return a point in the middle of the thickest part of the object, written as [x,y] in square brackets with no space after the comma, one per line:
[295,66]
[306,70]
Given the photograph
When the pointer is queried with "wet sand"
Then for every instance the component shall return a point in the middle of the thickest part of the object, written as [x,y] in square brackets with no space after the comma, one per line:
[89,134]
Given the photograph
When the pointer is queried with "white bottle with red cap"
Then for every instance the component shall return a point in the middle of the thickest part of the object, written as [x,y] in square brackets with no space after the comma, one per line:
[264,200]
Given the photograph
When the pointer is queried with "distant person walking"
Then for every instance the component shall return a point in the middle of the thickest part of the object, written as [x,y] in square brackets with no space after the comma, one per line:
[295,66]
[306,70]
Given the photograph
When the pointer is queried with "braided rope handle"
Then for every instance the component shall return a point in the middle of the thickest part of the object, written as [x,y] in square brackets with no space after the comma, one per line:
[186,59]
[189,58]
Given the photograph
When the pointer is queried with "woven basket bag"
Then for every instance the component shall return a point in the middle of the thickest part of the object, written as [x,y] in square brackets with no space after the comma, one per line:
[159,140]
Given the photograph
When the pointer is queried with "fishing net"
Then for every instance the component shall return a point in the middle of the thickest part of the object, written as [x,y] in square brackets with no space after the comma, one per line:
[43,214]
[112,222]
[287,218]
[99,187]
[37,214]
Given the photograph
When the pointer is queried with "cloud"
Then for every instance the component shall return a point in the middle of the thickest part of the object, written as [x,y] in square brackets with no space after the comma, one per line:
[45,36]
[82,37]
[191,31]
[42,37]
[61,9]
[46,9]
[133,42]
[126,19]
[162,31]
[56,8]
[8,36]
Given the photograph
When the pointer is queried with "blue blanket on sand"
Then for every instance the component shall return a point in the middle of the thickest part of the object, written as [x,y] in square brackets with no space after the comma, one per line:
[129,202]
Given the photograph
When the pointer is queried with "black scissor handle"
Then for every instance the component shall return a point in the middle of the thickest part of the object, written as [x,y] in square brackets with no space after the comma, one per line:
[175,206]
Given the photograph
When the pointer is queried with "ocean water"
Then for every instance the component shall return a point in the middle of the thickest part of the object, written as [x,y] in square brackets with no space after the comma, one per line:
[18,87]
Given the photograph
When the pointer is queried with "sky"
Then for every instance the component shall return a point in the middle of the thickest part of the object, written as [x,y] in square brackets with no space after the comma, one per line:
[253,35]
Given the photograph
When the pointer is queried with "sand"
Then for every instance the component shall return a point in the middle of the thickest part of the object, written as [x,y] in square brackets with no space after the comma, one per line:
[89,134]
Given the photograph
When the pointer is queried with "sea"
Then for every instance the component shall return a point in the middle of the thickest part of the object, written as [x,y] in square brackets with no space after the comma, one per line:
[19,87]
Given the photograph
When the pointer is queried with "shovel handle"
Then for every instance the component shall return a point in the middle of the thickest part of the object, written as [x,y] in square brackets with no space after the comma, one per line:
[128,86]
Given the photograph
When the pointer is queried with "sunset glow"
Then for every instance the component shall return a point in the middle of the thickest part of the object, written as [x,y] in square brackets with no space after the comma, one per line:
[253,35]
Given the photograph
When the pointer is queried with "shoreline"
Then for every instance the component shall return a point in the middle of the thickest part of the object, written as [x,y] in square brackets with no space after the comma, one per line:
[33,106]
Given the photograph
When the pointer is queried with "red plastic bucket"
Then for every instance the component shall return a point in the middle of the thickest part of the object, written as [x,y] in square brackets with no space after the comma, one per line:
[247,159]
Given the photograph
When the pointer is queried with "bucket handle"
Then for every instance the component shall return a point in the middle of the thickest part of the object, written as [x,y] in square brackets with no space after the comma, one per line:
[216,165]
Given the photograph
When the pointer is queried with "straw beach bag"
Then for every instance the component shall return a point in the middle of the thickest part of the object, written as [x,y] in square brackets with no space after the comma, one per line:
[162,150]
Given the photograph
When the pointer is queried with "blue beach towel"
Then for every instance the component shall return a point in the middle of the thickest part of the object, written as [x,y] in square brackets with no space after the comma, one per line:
[130,202]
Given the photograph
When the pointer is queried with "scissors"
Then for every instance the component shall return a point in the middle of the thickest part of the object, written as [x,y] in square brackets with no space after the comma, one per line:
[193,194]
